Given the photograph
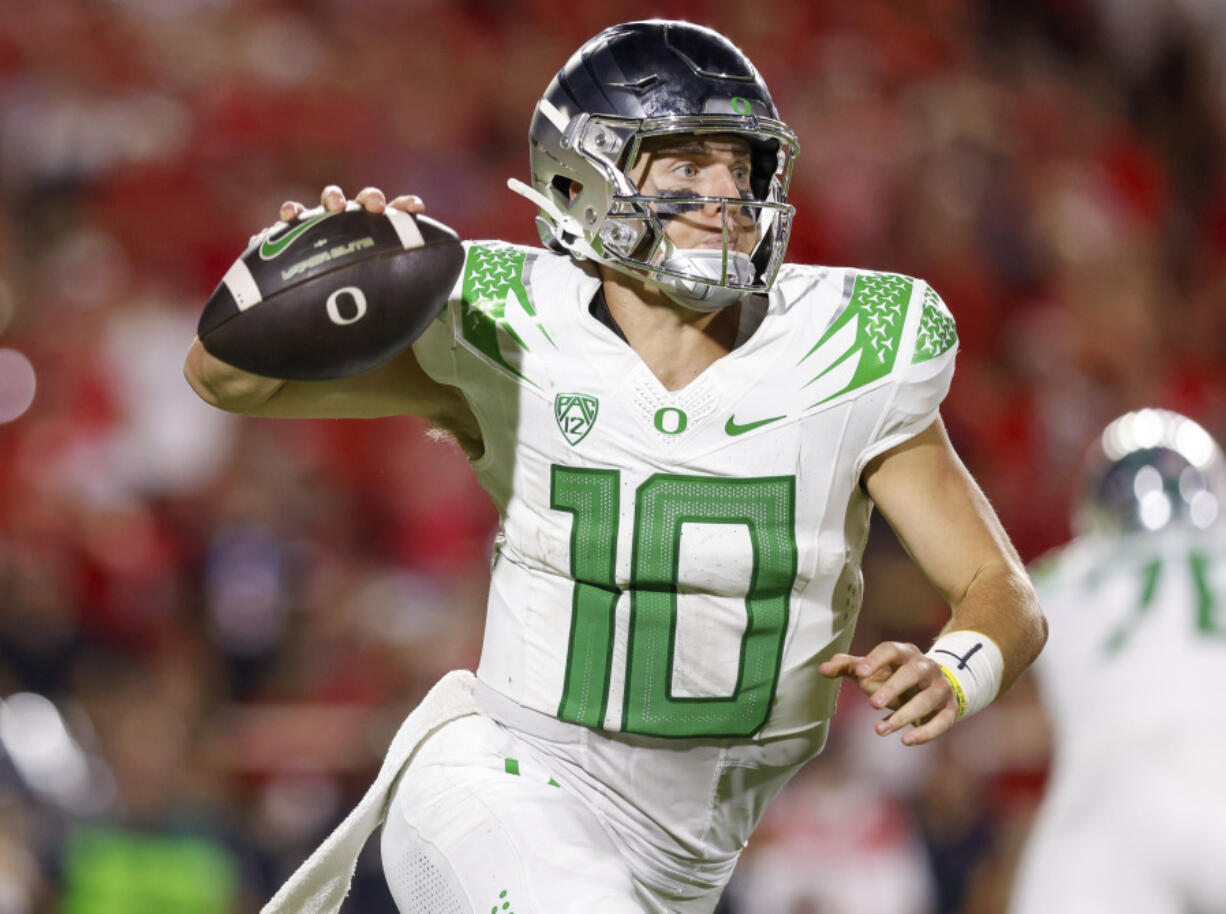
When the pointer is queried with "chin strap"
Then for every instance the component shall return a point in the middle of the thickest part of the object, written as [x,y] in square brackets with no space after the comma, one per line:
[705,292]
[565,227]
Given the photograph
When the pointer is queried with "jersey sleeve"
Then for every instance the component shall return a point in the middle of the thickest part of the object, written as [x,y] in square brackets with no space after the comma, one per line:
[922,374]
[436,348]
[490,321]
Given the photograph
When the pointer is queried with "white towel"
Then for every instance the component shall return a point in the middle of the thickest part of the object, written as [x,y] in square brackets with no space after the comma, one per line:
[322,882]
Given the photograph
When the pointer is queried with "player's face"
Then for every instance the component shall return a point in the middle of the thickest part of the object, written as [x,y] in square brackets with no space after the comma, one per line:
[686,165]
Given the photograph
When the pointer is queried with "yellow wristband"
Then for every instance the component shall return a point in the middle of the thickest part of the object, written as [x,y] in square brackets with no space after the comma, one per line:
[959,694]
[973,666]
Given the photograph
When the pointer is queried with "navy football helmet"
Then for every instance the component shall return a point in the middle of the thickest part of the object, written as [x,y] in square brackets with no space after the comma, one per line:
[627,85]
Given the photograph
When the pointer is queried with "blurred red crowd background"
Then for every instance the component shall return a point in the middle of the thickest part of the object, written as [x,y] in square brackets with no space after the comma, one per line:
[209,625]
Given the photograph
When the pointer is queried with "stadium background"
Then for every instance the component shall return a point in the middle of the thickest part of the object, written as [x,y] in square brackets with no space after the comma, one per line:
[209,626]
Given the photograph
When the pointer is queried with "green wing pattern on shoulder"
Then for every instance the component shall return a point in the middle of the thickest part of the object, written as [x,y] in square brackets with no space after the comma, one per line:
[872,322]
[937,332]
[493,291]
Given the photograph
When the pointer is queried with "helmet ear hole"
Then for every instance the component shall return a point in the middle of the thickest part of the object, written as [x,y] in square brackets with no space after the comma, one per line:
[568,188]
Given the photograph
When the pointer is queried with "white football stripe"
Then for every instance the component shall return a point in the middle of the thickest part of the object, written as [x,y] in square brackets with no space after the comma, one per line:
[406,227]
[241,283]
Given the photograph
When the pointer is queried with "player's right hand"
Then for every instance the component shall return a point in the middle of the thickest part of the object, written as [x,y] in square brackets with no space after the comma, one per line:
[898,676]
[333,201]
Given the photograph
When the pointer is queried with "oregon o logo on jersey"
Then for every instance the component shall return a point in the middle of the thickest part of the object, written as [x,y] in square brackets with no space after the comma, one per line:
[671,421]
[576,414]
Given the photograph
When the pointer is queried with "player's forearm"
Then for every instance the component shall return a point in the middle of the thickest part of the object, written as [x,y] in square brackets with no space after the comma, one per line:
[1001,603]
[225,386]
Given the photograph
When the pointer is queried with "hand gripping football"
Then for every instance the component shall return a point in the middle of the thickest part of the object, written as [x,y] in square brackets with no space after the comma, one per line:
[331,294]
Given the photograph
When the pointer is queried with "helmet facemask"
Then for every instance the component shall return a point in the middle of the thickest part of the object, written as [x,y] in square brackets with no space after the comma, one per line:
[607,217]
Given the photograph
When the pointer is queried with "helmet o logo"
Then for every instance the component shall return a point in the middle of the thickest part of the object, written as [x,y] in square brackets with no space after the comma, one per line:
[670,420]
[741,105]
[359,306]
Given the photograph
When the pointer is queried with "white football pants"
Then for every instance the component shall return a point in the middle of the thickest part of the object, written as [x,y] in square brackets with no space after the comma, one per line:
[515,812]
[478,825]
[1142,833]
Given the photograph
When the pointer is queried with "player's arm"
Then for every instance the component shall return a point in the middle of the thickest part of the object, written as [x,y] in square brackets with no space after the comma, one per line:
[396,388]
[399,387]
[948,527]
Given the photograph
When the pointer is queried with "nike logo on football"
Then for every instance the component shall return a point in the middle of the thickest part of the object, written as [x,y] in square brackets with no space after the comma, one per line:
[270,248]
[732,427]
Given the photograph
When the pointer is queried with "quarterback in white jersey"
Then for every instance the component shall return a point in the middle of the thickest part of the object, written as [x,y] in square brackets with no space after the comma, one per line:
[687,511]
[1134,818]
[684,437]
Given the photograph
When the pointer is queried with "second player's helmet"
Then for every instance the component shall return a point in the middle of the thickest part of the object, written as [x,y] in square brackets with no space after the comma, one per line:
[628,84]
[1152,469]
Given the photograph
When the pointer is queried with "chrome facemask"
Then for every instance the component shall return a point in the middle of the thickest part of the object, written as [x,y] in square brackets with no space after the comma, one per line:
[612,222]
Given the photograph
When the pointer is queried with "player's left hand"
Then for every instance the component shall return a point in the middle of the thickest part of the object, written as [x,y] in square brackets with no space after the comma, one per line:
[332,200]
[898,676]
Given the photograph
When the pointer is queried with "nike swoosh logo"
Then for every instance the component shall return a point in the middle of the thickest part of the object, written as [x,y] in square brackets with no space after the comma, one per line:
[732,427]
[270,248]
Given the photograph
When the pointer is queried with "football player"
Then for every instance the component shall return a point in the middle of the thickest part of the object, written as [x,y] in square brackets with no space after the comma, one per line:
[1134,816]
[685,437]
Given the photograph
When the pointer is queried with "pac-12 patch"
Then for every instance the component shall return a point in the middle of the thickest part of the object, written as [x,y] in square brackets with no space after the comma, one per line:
[576,414]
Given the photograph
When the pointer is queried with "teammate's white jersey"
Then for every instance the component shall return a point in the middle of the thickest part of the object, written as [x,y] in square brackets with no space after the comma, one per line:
[1131,617]
[678,563]
[1134,815]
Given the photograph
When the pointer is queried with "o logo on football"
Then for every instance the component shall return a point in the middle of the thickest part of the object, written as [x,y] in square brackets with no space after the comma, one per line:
[359,304]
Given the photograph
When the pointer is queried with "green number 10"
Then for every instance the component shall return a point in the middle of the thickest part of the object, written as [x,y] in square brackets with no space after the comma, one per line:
[764,506]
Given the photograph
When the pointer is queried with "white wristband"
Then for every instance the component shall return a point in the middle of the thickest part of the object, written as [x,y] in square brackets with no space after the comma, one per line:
[973,666]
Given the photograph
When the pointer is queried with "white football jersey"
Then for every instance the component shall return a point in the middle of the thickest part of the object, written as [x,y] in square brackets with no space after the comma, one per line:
[678,563]
[1134,814]
[1129,617]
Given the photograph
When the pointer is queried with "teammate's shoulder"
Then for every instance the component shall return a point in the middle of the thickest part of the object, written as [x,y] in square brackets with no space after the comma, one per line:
[1047,566]
[1072,562]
